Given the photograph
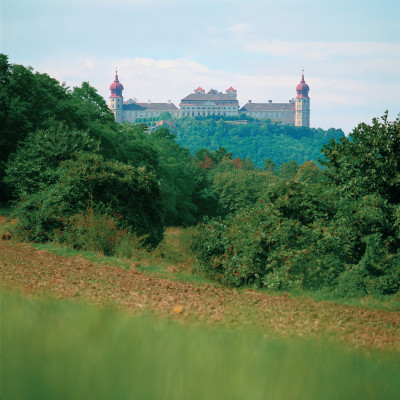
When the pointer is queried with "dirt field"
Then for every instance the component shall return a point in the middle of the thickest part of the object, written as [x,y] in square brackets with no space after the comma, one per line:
[39,272]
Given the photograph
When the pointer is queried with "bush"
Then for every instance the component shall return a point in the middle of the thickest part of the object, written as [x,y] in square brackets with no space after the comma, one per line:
[303,235]
[260,247]
[101,231]
[89,179]
[286,240]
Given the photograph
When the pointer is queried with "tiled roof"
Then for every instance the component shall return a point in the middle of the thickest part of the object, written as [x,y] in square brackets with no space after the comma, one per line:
[159,106]
[209,97]
[253,107]
[133,107]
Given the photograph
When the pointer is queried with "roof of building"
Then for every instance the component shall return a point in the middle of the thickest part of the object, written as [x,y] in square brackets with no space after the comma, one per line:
[150,106]
[133,107]
[209,97]
[268,107]
[231,88]
[302,88]
[116,85]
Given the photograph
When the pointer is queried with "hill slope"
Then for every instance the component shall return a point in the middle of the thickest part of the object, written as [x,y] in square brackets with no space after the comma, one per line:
[255,140]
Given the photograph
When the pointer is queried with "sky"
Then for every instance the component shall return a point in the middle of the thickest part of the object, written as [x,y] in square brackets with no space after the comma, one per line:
[164,49]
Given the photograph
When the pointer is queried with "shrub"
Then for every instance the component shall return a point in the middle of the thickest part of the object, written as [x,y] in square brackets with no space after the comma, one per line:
[102,231]
[259,246]
[89,179]
[303,235]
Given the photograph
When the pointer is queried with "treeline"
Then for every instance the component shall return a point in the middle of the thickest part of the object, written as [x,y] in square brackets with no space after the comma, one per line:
[77,177]
[256,140]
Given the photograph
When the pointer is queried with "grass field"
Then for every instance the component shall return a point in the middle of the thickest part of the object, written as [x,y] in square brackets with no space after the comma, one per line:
[61,350]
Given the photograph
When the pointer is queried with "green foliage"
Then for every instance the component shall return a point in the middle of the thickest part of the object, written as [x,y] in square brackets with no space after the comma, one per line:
[27,101]
[337,229]
[366,170]
[254,140]
[31,101]
[101,231]
[367,161]
[283,241]
[239,188]
[164,116]
[171,163]
[176,178]
[34,166]
[89,179]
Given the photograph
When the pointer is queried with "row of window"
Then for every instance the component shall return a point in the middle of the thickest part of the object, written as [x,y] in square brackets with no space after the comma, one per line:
[208,108]
[269,114]
[204,113]
[147,114]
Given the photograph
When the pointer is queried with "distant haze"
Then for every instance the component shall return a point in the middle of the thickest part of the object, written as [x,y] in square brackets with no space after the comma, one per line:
[350,50]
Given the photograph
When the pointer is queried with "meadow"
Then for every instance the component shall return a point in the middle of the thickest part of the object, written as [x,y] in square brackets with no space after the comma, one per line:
[55,349]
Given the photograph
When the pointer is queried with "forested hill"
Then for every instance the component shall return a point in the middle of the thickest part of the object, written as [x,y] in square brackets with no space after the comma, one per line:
[257,141]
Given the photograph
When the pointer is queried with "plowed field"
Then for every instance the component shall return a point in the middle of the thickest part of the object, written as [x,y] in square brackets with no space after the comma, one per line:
[39,272]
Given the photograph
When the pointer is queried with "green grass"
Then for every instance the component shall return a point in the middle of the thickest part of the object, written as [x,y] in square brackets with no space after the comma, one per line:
[377,302]
[5,210]
[62,350]
[92,256]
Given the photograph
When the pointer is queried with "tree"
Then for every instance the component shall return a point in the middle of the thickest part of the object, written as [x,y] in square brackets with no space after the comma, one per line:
[288,169]
[164,116]
[31,101]
[367,161]
[269,165]
[177,181]
[365,168]
[35,164]
[28,100]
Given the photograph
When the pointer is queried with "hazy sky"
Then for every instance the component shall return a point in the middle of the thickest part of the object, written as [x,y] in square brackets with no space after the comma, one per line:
[164,49]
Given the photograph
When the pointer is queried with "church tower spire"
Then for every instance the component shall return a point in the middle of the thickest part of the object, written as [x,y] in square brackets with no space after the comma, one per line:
[302,103]
[116,100]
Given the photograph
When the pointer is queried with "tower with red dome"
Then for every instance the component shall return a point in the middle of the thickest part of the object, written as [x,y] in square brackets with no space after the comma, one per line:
[116,100]
[302,104]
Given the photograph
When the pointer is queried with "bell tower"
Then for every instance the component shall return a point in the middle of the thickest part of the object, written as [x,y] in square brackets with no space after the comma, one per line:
[302,104]
[116,101]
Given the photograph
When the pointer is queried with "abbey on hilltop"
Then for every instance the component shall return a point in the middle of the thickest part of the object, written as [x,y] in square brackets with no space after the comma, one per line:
[295,112]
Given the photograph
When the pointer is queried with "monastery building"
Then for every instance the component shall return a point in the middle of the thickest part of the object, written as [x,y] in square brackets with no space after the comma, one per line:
[295,112]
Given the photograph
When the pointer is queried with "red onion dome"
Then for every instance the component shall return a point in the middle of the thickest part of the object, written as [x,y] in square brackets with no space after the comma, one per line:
[116,88]
[302,88]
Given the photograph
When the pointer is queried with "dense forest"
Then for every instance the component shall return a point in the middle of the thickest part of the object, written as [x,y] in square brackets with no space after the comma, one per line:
[266,218]
[256,140]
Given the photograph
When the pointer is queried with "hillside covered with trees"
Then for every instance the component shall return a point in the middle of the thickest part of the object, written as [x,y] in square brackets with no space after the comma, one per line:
[256,140]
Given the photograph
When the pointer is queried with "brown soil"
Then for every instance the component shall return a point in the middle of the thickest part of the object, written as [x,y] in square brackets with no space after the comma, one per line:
[38,272]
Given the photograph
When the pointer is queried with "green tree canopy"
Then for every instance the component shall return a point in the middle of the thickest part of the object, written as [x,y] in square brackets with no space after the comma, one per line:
[35,164]
[368,160]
